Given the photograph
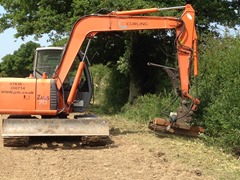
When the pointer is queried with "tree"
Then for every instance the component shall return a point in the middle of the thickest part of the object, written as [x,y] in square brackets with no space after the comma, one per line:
[210,13]
[31,17]
[20,63]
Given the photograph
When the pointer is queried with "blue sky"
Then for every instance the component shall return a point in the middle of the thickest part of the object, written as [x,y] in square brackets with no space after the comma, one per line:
[9,44]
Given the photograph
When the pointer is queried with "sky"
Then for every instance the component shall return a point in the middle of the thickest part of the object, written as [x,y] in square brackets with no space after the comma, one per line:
[9,44]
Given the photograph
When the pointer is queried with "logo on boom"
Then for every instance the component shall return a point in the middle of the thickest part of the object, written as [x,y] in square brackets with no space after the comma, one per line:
[124,24]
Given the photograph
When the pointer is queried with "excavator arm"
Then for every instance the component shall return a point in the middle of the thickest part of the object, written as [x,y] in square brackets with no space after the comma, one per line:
[88,26]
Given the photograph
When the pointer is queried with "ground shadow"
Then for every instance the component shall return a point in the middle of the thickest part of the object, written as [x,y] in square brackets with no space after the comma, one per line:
[66,143]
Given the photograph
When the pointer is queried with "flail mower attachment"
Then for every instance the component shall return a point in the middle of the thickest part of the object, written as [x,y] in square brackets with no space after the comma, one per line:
[178,123]
[162,125]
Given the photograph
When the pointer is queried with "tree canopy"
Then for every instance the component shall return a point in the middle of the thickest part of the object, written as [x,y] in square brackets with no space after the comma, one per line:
[20,63]
[31,17]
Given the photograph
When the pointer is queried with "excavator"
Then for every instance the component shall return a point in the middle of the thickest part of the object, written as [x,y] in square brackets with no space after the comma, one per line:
[53,101]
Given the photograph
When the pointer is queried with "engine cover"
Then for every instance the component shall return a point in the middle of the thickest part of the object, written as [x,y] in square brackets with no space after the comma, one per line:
[28,96]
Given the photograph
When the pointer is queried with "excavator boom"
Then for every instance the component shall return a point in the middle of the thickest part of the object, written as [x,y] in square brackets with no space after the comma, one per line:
[186,43]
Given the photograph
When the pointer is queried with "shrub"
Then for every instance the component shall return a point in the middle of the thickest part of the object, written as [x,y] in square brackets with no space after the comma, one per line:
[219,91]
[146,107]
[111,88]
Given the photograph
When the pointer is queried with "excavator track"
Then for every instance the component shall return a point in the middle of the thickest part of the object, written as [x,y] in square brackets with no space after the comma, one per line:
[93,141]
[16,141]
[86,141]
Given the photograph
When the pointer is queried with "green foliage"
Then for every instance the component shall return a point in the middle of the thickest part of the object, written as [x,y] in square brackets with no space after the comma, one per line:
[159,50]
[108,47]
[57,17]
[220,90]
[111,95]
[216,12]
[20,63]
[100,74]
[111,89]
[60,43]
[31,17]
[149,106]
[116,94]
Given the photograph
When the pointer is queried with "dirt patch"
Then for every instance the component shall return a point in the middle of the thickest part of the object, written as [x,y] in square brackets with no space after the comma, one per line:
[135,153]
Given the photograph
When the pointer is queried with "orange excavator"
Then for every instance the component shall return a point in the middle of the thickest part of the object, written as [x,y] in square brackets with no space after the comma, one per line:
[61,85]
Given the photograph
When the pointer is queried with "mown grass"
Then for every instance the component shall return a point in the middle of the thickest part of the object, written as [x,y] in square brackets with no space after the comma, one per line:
[189,153]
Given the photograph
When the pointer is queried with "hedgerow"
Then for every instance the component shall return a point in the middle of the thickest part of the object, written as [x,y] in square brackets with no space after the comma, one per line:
[220,91]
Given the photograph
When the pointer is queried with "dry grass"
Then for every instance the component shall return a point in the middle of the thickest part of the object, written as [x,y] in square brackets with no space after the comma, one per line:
[187,152]
[135,148]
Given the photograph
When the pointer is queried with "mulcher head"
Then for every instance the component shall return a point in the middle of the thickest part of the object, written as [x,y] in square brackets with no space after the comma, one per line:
[162,125]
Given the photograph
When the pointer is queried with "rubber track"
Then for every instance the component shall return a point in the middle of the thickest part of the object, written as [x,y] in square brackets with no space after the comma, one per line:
[16,141]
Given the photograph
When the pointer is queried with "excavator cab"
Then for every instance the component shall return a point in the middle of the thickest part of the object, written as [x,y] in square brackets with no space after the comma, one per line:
[47,60]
